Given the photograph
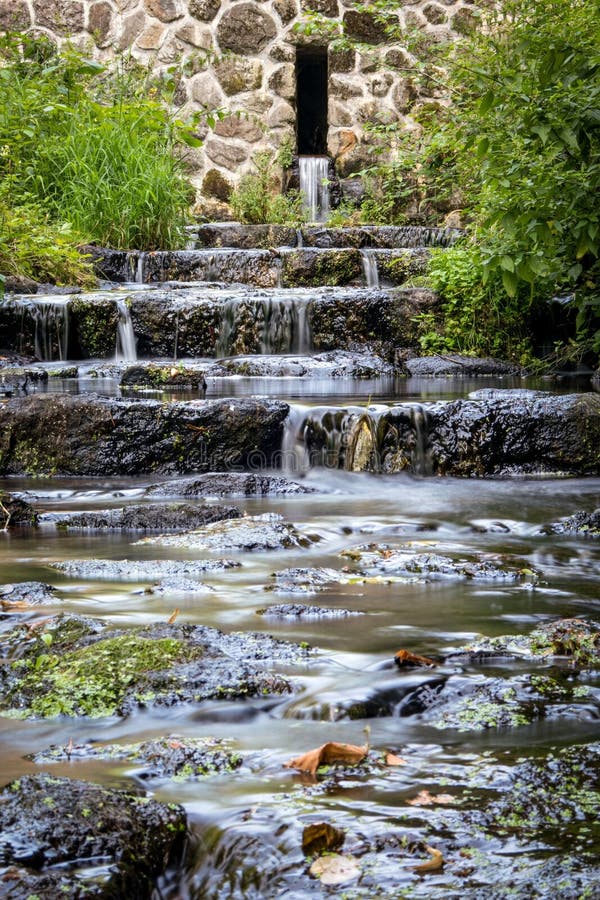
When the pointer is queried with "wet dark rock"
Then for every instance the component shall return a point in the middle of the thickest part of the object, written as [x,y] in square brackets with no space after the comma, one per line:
[97,436]
[25,593]
[15,512]
[334,364]
[20,284]
[404,562]
[379,236]
[576,640]
[229,484]
[246,237]
[151,517]
[169,586]
[581,523]
[161,378]
[72,666]
[56,832]
[305,581]
[301,612]
[249,533]
[175,757]
[456,365]
[139,570]
[317,267]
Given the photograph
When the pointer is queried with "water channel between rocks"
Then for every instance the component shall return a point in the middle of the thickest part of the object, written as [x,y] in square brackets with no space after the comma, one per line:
[467,754]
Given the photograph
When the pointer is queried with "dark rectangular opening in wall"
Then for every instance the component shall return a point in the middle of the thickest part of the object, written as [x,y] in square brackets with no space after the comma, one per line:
[311,100]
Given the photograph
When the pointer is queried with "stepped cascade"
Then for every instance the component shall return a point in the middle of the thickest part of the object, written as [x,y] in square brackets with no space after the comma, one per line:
[267,524]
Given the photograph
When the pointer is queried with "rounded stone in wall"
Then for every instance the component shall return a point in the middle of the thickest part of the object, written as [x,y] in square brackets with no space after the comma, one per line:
[214,184]
[281,114]
[414,19]
[100,20]
[282,53]
[152,37]
[286,10]
[197,36]
[381,84]
[205,91]
[328,8]
[165,10]
[342,60]
[283,81]
[225,154]
[62,16]
[205,10]
[465,21]
[435,14]
[338,115]
[364,26]
[131,27]
[399,58]
[404,95]
[14,15]
[237,75]
[258,102]
[245,28]
[239,126]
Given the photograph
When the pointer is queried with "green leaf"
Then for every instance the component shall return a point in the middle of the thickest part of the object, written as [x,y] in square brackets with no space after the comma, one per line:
[507,263]
[487,101]
[483,147]
[543,131]
[510,282]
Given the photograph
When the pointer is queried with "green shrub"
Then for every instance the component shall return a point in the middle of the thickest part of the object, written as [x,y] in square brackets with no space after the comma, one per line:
[97,149]
[258,200]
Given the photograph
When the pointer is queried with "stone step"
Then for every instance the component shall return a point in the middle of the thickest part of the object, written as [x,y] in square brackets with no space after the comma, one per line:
[284,267]
[249,237]
[493,433]
[207,321]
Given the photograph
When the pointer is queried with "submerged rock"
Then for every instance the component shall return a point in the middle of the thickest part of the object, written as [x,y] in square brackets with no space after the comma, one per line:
[152,517]
[576,640]
[264,532]
[334,364]
[582,523]
[72,666]
[139,569]
[304,581]
[175,757]
[403,561]
[229,484]
[169,586]
[299,611]
[26,593]
[97,436]
[15,512]
[58,835]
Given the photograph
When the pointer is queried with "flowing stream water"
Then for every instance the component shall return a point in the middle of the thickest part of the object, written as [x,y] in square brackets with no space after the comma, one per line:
[245,824]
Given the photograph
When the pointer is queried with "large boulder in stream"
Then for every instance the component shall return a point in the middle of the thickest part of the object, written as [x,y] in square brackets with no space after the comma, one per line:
[90,435]
[148,517]
[58,834]
[76,666]
[16,512]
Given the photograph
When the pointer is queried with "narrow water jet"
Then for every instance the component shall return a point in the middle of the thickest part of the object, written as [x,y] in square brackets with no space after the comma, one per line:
[51,320]
[126,344]
[314,186]
[370,268]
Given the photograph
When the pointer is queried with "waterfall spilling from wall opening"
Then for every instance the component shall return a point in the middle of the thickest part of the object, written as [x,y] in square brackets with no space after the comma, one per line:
[314,186]
[126,345]
[279,324]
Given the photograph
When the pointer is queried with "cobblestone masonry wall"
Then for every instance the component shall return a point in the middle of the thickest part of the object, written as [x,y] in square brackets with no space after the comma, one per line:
[240,55]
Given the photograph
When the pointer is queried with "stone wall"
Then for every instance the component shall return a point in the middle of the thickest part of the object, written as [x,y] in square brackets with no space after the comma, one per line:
[239,55]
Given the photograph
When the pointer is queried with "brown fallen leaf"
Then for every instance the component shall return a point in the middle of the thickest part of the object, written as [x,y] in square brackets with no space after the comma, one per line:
[432,865]
[321,837]
[327,754]
[173,616]
[406,659]
[392,760]
[424,798]
[335,869]
[7,605]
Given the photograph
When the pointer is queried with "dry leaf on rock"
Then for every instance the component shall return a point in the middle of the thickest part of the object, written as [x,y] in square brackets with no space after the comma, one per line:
[335,869]
[327,754]
[424,798]
[406,659]
[320,837]
[173,616]
[432,865]
[392,760]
